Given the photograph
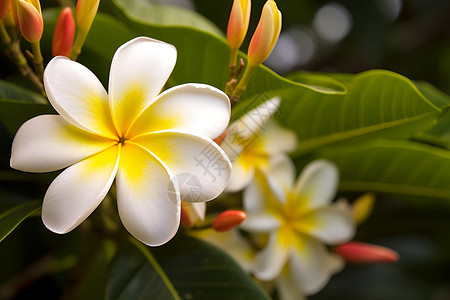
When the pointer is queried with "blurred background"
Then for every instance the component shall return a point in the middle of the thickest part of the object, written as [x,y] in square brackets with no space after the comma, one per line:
[410,37]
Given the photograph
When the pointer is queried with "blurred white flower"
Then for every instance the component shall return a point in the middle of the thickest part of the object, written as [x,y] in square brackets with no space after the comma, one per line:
[252,141]
[300,220]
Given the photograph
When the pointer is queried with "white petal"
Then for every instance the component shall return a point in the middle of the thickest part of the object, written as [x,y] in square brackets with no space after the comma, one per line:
[78,96]
[78,190]
[251,122]
[192,212]
[287,288]
[241,176]
[199,109]
[254,197]
[318,183]
[201,167]
[277,139]
[263,222]
[147,196]
[280,176]
[139,70]
[48,142]
[308,266]
[270,261]
[329,224]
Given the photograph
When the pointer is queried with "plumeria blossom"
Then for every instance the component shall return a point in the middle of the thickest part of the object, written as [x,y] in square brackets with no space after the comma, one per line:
[253,140]
[300,219]
[131,134]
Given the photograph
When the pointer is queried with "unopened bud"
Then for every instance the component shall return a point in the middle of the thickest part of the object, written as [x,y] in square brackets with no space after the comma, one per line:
[238,23]
[30,21]
[4,6]
[266,34]
[218,140]
[64,33]
[362,207]
[8,19]
[228,220]
[357,252]
[85,13]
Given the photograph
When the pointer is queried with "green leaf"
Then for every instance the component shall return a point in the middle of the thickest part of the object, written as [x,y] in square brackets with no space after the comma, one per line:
[11,91]
[196,269]
[11,218]
[203,57]
[15,113]
[167,16]
[436,96]
[378,104]
[199,270]
[135,274]
[393,167]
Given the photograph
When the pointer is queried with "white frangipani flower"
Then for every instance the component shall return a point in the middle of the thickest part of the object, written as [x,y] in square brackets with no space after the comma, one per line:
[300,219]
[131,134]
[252,141]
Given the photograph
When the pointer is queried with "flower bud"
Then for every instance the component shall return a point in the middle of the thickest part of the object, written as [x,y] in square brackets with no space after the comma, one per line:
[238,23]
[64,33]
[266,34]
[218,140]
[8,18]
[85,13]
[357,252]
[30,20]
[228,220]
[362,207]
[192,213]
[4,6]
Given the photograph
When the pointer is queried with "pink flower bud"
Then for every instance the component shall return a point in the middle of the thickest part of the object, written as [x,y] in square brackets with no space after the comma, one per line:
[30,21]
[357,252]
[238,23]
[228,219]
[266,34]
[85,13]
[64,33]
[4,6]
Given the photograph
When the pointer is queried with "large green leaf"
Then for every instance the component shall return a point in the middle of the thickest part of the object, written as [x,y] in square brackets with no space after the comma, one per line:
[202,56]
[394,167]
[378,104]
[14,113]
[184,268]
[9,90]
[199,270]
[11,218]
[135,274]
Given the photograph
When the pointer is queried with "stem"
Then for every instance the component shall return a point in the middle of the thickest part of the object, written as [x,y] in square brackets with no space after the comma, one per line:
[12,51]
[38,61]
[232,66]
[242,85]
[78,44]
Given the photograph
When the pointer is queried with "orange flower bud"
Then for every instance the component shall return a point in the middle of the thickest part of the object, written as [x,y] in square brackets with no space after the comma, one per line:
[228,219]
[8,18]
[357,252]
[238,23]
[218,140]
[30,21]
[64,33]
[266,34]
[4,6]
[85,13]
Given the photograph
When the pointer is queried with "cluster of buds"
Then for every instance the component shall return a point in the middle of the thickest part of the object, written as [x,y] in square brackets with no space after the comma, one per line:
[261,44]
[29,18]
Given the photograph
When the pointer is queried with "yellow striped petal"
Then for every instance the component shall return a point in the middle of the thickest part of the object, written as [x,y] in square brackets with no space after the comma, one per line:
[78,96]
[48,143]
[201,167]
[147,196]
[78,190]
[139,70]
[196,108]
